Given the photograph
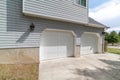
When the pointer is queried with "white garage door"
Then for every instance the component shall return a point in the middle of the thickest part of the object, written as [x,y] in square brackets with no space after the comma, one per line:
[56,44]
[89,43]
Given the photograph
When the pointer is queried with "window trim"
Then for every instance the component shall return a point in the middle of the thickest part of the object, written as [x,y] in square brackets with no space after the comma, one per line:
[80,4]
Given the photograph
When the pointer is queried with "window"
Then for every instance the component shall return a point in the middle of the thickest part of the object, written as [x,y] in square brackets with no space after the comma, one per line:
[81,2]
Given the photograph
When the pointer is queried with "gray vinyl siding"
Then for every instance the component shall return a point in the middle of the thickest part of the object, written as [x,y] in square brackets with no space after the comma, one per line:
[61,9]
[2,16]
[14,26]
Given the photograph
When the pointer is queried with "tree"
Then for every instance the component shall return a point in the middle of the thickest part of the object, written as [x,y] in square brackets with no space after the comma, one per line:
[106,36]
[113,38]
[119,36]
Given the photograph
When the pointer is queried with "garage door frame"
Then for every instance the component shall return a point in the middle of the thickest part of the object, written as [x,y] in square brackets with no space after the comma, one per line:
[65,31]
[98,44]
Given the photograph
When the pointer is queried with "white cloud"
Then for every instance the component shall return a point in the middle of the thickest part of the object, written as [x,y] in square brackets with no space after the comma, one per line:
[113,29]
[107,11]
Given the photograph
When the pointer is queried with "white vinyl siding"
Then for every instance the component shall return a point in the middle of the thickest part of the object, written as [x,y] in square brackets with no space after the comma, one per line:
[78,2]
[58,9]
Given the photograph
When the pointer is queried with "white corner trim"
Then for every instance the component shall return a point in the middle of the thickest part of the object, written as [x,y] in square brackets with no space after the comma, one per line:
[23,6]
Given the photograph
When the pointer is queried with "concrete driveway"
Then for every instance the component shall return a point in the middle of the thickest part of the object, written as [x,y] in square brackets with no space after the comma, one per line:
[116,47]
[87,67]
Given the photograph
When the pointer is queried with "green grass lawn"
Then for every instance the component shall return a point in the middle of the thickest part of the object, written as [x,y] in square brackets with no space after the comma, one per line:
[113,50]
[19,71]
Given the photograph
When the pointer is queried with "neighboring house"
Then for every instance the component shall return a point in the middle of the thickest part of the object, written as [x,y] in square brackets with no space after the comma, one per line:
[51,28]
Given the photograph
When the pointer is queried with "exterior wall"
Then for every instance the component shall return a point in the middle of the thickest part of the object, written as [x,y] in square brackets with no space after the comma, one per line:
[57,9]
[3,15]
[14,31]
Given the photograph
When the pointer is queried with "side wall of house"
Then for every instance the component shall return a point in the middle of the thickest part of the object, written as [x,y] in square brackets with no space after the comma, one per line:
[14,29]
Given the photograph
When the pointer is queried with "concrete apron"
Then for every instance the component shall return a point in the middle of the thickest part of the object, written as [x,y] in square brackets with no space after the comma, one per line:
[87,67]
[76,55]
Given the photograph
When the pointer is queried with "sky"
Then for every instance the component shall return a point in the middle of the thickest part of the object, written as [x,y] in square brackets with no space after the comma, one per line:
[106,12]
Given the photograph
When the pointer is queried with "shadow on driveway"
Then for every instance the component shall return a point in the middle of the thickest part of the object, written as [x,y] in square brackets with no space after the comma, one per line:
[96,73]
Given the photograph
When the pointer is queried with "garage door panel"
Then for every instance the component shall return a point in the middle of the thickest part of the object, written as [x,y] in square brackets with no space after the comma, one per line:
[89,44]
[56,45]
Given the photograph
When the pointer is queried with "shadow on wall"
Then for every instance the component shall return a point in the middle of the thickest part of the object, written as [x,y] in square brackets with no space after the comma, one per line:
[17,24]
[23,37]
[110,73]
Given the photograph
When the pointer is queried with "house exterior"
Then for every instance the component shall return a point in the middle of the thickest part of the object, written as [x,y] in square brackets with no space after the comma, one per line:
[49,29]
